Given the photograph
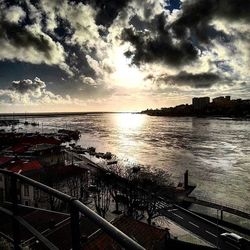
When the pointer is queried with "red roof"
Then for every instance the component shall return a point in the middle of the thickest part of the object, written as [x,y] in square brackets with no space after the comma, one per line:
[146,235]
[5,159]
[65,171]
[19,148]
[24,166]
[40,139]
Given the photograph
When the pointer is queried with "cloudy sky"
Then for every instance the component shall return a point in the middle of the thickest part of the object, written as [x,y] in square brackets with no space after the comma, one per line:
[121,55]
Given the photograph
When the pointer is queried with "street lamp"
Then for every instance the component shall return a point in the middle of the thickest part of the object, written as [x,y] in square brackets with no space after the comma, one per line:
[217,243]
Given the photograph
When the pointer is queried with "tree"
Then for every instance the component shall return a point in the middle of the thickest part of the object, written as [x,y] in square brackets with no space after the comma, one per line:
[68,179]
[150,198]
[114,179]
[137,187]
[144,188]
[154,183]
[101,195]
[75,184]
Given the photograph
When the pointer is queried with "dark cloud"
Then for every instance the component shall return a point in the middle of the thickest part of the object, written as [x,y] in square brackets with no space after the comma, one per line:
[63,29]
[21,37]
[233,10]
[177,44]
[159,47]
[77,61]
[27,85]
[154,39]
[201,80]
[197,14]
[149,77]
[52,47]
[107,11]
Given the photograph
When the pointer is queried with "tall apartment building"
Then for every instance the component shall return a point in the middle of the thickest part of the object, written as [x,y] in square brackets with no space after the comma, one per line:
[200,102]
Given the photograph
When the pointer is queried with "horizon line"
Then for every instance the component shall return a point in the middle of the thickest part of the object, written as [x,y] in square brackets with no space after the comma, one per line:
[64,113]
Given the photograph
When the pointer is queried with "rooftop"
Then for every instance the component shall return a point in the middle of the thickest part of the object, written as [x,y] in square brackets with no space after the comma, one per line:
[39,139]
[146,235]
[24,166]
[5,159]
[64,171]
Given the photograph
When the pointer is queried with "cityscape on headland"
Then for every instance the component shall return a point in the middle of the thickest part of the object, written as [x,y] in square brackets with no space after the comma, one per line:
[222,106]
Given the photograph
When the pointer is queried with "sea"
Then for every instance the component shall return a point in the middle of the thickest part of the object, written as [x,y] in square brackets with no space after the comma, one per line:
[215,151]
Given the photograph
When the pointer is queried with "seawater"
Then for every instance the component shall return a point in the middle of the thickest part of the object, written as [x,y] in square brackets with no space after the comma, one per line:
[215,151]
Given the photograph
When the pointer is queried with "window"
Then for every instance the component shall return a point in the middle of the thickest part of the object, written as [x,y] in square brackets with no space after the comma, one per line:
[1,194]
[36,193]
[26,190]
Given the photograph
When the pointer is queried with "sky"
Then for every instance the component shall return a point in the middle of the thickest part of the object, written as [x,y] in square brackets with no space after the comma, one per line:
[121,55]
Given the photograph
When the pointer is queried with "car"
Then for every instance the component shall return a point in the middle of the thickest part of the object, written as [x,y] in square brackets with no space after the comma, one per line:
[235,240]
[232,236]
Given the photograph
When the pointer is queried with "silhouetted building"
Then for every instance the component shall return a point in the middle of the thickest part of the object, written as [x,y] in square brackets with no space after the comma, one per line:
[200,102]
[202,107]
[221,99]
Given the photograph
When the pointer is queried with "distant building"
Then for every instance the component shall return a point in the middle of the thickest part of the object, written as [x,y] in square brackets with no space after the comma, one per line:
[200,103]
[221,100]
[223,103]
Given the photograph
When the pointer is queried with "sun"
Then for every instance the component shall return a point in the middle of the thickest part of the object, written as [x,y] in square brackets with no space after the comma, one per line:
[125,74]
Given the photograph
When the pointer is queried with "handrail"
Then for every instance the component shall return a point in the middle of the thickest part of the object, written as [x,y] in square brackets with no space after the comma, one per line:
[31,229]
[76,206]
[220,206]
[224,204]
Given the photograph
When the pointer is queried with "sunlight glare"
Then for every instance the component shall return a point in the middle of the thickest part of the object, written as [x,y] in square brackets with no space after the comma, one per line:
[126,75]
[129,121]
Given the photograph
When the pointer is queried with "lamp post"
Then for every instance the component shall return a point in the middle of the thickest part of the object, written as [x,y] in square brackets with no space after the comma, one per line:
[217,243]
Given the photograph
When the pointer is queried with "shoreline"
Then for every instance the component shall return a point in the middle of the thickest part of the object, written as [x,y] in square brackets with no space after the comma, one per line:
[203,117]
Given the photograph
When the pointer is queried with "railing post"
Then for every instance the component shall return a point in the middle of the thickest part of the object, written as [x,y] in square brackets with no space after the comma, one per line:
[75,227]
[15,223]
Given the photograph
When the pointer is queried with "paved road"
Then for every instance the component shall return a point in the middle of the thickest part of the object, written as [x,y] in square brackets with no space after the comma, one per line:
[202,228]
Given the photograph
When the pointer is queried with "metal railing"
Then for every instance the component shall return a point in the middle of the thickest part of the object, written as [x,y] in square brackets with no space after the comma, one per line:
[75,207]
[223,204]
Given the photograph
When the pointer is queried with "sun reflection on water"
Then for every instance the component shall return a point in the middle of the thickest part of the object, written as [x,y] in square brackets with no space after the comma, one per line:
[129,121]
[129,126]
